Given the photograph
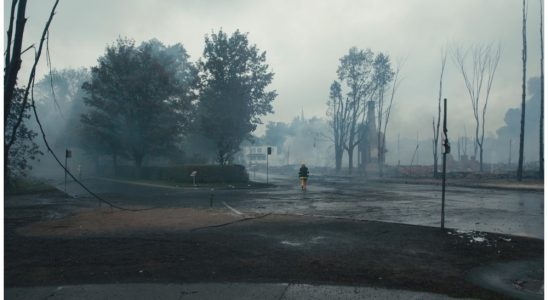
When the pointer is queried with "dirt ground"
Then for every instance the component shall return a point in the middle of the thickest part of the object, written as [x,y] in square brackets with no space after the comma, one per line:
[52,243]
[106,221]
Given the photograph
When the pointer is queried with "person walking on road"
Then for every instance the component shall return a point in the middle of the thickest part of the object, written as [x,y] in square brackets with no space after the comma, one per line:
[303,175]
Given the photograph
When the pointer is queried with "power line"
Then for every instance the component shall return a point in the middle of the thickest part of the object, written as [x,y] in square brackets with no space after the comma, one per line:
[66,170]
[70,174]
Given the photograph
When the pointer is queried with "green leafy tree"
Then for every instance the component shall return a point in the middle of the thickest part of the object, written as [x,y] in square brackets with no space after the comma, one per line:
[234,77]
[24,149]
[140,98]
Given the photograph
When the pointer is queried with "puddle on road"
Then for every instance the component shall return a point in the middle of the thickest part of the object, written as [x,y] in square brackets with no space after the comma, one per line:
[317,239]
[288,243]
[313,240]
[56,215]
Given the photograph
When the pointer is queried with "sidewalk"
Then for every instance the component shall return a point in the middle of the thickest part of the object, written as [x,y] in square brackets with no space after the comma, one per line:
[206,291]
[533,186]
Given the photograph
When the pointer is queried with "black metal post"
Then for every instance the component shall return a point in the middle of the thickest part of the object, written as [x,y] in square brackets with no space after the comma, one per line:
[66,159]
[445,151]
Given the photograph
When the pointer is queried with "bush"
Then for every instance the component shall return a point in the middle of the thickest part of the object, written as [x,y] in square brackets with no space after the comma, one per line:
[204,173]
[26,185]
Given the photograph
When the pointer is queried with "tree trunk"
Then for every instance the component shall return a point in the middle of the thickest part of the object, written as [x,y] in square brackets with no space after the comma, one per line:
[365,160]
[338,159]
[476,144]
[481,158]
[350,149]
[436,165]
[381,157]
[522,123]
[379,151]
[381,169]
[12,67]
[351,146]
[350,160]
[11,70]
[6,169]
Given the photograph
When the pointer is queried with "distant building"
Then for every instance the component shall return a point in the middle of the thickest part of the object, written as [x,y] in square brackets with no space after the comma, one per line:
[256,155]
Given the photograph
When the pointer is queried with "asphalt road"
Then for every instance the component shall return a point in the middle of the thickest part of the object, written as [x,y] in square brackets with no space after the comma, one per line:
[279,248]
[480,209]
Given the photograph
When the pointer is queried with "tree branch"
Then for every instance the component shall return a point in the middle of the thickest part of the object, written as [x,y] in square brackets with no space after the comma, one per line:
[32,74]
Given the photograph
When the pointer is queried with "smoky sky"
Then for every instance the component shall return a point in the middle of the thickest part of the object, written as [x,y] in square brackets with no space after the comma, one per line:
[304,40]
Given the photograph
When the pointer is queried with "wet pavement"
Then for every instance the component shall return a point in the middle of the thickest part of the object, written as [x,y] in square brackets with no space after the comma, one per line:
[513,212]
[517,279]
[382,259]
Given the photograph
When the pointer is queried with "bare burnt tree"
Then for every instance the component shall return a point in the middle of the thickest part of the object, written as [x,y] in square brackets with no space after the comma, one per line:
[465,142]
[383,110]
[436,122]
[523,91]
[338,110]
[478,74]
[382,77]
[13,61]
[355,70]
[541,131]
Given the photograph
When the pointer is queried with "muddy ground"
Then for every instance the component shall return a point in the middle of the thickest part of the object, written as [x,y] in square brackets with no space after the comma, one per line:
[50,239]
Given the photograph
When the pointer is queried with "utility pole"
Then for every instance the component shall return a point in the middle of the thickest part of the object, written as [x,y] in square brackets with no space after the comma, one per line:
[523,92]
[541,131]
[446,150]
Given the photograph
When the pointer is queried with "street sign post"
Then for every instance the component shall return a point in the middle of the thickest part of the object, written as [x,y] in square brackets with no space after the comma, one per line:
[68,154]
[446,150]
[268,152]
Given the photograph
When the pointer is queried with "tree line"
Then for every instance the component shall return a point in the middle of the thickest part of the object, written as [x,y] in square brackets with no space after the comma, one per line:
[142,100]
